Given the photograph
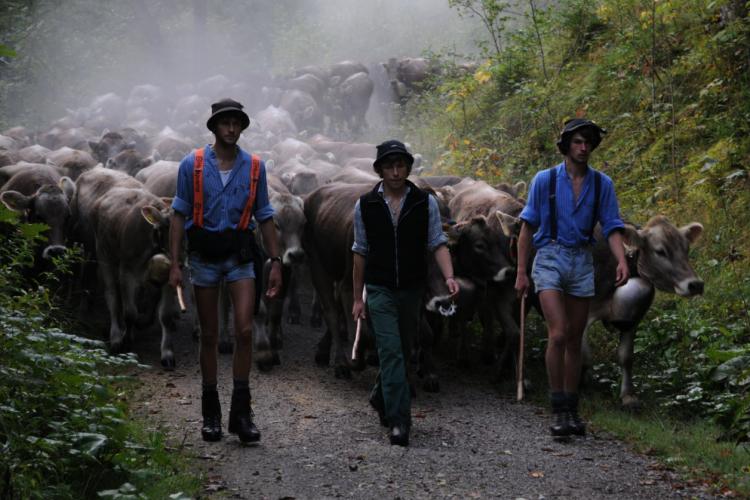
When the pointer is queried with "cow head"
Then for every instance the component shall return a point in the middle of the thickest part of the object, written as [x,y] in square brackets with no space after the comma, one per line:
[478,252]
[663,255]
[289,219]
[158,216]
[49,205]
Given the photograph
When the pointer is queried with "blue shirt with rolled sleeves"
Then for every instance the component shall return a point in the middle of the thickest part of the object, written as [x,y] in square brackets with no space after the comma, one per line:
[573,217]
[435,234]
[223,204]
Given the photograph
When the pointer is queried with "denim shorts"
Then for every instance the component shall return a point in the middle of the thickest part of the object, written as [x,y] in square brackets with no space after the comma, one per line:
[209,273]
[567,269]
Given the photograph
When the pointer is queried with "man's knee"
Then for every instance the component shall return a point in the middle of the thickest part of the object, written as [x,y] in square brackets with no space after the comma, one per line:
[243,337]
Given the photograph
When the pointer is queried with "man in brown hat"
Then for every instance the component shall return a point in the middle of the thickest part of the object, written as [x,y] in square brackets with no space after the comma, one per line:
[394,226]
[219,188]
[565,202]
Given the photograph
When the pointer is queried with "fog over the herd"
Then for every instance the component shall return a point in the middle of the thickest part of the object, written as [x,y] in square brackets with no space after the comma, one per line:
[82,48]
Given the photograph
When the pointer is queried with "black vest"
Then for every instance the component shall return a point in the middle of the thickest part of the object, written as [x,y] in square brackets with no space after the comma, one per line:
[396,256]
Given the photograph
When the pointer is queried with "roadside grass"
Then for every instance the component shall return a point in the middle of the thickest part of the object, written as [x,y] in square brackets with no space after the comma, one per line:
[689,447]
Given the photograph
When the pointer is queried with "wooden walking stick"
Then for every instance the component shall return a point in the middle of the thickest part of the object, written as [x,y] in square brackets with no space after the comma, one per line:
[358,333]
[181,299]
[519,375]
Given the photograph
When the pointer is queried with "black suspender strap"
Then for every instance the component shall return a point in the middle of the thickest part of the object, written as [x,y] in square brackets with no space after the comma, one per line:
[597,194]
[553,202]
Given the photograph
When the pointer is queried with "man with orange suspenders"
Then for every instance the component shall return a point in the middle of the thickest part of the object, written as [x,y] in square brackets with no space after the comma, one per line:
[219,188]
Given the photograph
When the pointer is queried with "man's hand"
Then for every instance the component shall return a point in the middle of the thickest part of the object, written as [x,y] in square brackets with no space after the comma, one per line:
[622,274]
[453,287]
[175,275]
[358,309]
[274,280]
[522,284]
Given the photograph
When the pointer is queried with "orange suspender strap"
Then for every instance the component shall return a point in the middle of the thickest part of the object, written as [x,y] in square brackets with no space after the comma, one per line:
[198,188]
[254,176]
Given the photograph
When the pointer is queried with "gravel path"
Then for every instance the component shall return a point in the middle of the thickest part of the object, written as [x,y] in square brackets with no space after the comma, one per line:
[320,439]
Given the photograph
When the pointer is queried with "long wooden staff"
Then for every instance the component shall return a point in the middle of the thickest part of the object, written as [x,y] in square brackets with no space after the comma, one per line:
[519,375]
[181,299]
[358,333]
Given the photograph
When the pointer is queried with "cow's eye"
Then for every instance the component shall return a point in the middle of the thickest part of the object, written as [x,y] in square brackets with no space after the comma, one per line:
[661,252]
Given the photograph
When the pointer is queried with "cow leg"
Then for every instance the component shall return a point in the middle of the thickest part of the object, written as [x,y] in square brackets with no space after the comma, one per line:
[226,346]
[625,357]
[316,317]
[426,368]
[112,297]
[294,312]
[459,330]
[342,365]
[129,284]
[265,350]
[168,315]
[488,335]
[324,287]
[511,332]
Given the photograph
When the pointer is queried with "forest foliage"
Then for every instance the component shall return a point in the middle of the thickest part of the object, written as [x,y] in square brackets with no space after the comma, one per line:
[65,430]
[670,80]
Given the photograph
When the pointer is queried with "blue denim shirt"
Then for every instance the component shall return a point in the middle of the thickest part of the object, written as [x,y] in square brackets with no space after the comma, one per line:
[435,234]
[223,205]
[573,218]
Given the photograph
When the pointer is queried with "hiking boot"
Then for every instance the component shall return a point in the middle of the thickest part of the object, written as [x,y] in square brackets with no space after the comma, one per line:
[241,417]
[211,410]
[561,423]
[577,426]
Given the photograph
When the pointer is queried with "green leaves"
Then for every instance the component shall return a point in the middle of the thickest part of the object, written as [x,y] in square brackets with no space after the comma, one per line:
[6,51]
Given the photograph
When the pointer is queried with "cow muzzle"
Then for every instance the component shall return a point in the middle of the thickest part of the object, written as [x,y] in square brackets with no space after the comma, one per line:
[689,287]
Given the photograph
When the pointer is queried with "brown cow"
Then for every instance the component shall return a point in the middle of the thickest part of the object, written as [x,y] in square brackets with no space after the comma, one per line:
[131,227]
[328,238]
[42,195]
[658,258]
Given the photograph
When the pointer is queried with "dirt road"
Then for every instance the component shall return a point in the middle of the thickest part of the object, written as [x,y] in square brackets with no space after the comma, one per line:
[320,439]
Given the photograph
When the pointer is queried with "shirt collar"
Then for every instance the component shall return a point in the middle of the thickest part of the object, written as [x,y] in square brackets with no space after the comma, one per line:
[381,191]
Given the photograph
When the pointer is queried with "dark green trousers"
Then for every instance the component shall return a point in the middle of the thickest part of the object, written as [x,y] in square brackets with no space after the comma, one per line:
[394,317]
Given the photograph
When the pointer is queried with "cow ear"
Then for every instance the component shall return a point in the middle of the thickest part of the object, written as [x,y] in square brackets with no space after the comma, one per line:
[94,146]
[454,232]
[145,162]
[508,223]
[67,186]
[692,231]
[519,187]
[153,215]
[16,201]
[633,237]
[479,219]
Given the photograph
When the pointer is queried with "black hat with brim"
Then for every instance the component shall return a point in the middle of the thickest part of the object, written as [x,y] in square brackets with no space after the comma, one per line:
[575,124]
[392,147]
[227,106]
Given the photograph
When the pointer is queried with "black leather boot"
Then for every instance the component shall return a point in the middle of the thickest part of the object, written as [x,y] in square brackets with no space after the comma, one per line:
[241,417]
[211,409]
[561,424]
[400,435]
[577,426]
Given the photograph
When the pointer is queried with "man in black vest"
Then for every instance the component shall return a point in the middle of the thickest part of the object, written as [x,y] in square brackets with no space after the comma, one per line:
[394,226]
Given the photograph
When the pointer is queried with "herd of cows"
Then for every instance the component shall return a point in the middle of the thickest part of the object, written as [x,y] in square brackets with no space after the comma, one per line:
[102,177]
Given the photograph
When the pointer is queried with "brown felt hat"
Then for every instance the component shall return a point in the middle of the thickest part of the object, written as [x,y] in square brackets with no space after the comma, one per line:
[227,105]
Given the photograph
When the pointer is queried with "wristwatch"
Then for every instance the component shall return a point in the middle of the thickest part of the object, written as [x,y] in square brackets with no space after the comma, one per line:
[276,259]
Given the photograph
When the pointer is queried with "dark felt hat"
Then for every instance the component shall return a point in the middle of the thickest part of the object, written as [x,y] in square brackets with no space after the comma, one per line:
[227,106]
[392,147]
[575,124]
